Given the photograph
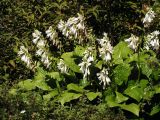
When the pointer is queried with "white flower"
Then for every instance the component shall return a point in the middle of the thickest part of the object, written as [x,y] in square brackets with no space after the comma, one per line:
[84,67]
[152,41]
[23,50]
[103,77]
[62,67]
[87,59]
[104,40]
[73,28]
[23,111]
[155,44]
[61,25]
[52,34]
[39,52]
[36,36]
[41,43]
[88,54]
[133,42]
[80,26]
[106,49]
[45,59]
[149,18]
[23,53]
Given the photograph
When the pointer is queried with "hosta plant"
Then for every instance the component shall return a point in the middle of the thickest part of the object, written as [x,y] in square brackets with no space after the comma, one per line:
[84,65]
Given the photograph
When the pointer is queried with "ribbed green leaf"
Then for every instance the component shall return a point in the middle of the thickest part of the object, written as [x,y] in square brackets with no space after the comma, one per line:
[121,73]
[75,87]
[91,95]
[70,61]
[50,95]
[134,108]
[134,92]
[67,97]
[120,97]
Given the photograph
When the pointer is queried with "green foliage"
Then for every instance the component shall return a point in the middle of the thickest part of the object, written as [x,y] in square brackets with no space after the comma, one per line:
[70,61]
[130,81]
[121,73]
[121,52]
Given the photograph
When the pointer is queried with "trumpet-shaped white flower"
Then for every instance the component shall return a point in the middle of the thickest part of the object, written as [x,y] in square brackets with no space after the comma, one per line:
[104,40]
[74,28]
[88,54]
[152,41]
[84,67]
[87,59]
[133,42]
[103,77]
[62,66]
[106,49]
[61,25]
[23,53]
[53,35]
[36,36]
[45,60]
[150,15]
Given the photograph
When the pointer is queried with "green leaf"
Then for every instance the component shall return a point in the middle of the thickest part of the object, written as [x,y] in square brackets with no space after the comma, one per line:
[157,89]
[155,110]
[120,97]
[75,87]
[120,52]
[42,85]
[134,108]
[12,63]
[110,99]
[67,97]
[143,83]
[50,95]
[55,75]
[146,70]
[27,84]
[79,50]
[91,95]
[132,58]
[134,92]
[13,91]
[121,73]
[70,61]
[99,64]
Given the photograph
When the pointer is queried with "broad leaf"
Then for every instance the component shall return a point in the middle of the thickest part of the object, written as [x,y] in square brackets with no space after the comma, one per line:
[134,108]
[155,110]
[99,64]
[27,84]
[79,50]
[75,87]
[70,61]
[146,70]
[157,89]
[110,99]
[55,75]
[121,73]
[134,92]
[67,97]
[143,83]
[42,85]
[91,95]
[120,98]
[50,95]
[120,52]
